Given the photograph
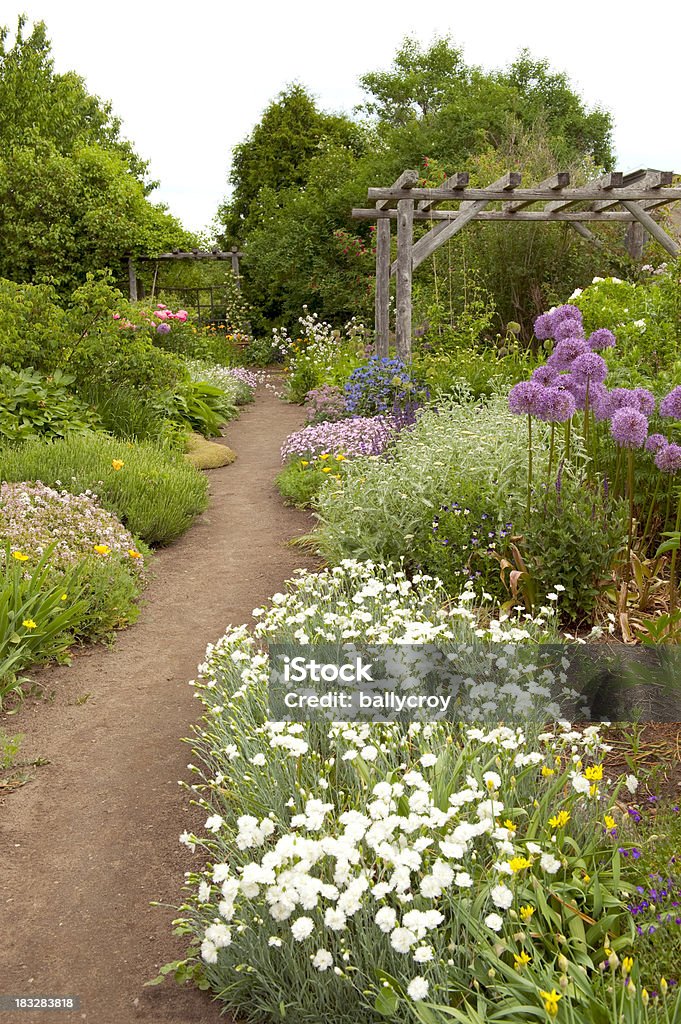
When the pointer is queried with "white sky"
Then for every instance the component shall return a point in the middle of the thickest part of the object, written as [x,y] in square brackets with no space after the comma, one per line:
[190,80]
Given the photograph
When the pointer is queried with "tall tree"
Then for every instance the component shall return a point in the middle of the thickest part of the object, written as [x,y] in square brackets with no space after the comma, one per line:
[73,193]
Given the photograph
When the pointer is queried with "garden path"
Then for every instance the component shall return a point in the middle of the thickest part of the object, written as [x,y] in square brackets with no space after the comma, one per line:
[93,838]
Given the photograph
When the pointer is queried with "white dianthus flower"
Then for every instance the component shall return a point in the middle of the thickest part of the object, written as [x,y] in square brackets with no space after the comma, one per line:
[402,939]
[322,960]
[494,922]
[417,989]
[501,896]
[301,928]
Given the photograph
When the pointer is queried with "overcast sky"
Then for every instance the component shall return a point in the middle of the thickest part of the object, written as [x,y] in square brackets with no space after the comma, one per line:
[190,80]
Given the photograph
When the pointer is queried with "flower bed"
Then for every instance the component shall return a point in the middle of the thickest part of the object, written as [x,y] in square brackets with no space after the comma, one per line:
[417,872]
[361,435]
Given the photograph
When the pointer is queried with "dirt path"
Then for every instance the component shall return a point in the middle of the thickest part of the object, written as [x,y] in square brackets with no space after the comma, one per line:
[87,844]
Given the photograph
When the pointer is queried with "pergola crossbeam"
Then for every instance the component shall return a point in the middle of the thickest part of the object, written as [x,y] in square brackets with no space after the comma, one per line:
[613,198]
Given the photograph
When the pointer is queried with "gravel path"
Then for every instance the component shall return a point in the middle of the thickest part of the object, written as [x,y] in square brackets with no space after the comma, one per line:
[93,838]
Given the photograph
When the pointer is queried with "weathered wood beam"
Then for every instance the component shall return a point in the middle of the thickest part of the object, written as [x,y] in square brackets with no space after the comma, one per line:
[572,195]
[447,216]
[132,280]
[407,180]
[558,181]
[455,182]
[440,233]
[653,228]
[382,306]
[644,180]
[405,238]
[614,179]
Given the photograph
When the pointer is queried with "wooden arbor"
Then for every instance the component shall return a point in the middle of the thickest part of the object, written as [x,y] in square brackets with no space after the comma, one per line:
[196,254]
[613,197]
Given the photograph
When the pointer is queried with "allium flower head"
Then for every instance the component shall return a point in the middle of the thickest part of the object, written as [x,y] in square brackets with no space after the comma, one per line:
[600,339]
[671,404]
[577,388]
[163,329]
[656,442]
[558,405]
[645,401]
[565,329]
[668,459]
[622,398]
[543,326]
[545,375]
[568,312]
[566,351]
[526,397]
[629,428]
[589,367]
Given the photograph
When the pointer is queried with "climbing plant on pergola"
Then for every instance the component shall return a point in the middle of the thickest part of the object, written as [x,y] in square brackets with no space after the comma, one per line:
[614,197]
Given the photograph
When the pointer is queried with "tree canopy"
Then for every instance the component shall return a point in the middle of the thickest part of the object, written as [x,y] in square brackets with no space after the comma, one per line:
[73,192]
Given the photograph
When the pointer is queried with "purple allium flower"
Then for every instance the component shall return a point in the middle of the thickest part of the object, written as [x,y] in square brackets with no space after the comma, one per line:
[163,329]
[566,351]
[622,398]
[656,442]
[668,459]
[602,338]
[545,375]
[565,329]
[671,404]
[577,389]
[645,400]
[543,326]
[568,312]
[526,397]
[589,367]
[558,406]
[629,428]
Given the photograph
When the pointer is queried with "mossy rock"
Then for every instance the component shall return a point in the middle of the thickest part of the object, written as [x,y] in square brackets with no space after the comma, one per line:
[206,454]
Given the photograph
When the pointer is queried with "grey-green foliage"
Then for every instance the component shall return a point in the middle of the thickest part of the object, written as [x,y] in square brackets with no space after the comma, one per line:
[386,506]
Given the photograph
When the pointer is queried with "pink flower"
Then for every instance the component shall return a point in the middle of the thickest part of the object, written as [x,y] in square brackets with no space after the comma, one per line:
[162,314]
[117,316]
[182,315]
[161,305]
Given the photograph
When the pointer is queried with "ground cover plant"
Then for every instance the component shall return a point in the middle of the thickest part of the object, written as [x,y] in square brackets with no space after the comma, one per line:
[423,872]
[155,493]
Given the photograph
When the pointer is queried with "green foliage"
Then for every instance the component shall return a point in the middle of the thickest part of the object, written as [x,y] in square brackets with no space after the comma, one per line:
[156,493]
[72,194]
[645,317]
[300,481]
[31,325]
[202,407]
[573,539]
[110,591]
[35,618]
[32,406]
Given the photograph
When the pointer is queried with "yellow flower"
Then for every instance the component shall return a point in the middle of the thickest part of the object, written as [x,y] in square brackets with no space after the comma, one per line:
[134,554]
[324,456]
[586,878]
[29,624]
[663,986]
[340,458]
[304,462]
[326,469]
[546,772]
[609,821]
[593,789]
[64,597]
[526,913]
[102,549]
[594,772]
[510,825]
[519,864]
[521,959]
[559,819]
[645,998]
[20,556]
[117,463]
[627,964]
[551,1001]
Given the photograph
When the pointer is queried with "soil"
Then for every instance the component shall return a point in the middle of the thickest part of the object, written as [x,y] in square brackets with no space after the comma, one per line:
[92,839]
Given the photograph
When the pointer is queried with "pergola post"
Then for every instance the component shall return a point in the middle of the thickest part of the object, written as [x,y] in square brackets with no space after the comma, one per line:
[405,239]
[382,324]
[132,280]
[235,254]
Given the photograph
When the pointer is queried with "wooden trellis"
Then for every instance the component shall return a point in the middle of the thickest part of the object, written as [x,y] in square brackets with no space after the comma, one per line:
[195,254]
[615,197]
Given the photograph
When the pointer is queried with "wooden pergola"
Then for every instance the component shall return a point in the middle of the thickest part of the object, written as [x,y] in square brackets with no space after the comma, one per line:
[232,254]
[612,198]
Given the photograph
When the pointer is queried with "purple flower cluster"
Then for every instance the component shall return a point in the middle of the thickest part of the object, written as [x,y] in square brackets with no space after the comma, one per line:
[247,377]
[565,324]
[361,435]
[325,403]
[657,906]
[629,428]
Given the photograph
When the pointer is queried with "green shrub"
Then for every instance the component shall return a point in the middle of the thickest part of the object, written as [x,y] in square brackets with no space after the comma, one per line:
[133,415]
[31,325]
[299,483]
[156,493]
[32,406]
[39,608]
